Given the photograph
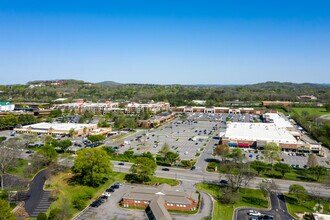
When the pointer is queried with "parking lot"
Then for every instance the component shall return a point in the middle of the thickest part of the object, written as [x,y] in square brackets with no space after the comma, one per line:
[293,159]
[111,210]
[188,137]
[185,138]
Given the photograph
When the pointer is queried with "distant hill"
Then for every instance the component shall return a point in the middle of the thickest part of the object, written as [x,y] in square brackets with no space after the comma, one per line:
[109,83]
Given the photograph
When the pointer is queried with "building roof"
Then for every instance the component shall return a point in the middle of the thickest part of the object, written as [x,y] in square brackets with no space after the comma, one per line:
[170,196]
[5,103]
[158,209]
[279,121]
[58,126]
[269,132]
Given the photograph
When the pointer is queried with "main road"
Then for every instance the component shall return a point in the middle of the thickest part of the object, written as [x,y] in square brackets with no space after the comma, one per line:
[195,176]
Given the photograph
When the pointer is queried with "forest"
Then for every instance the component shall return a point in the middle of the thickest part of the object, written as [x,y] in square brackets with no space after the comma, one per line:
[175,94]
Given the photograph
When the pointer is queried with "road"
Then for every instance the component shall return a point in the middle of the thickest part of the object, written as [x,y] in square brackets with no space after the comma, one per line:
[198,177]
[278,209]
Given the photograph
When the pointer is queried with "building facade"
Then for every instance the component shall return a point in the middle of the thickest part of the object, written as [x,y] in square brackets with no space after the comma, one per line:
[6,107]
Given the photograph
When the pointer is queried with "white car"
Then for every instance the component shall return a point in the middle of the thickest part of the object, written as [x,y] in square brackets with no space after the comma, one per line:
[107,194]
[267,180]
[254,213]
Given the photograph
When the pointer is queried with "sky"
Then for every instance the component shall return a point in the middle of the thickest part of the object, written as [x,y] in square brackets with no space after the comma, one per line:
[165,41]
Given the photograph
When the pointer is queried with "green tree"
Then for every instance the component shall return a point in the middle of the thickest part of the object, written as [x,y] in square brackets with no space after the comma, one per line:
[259,166]
[299,192]
[144,168]
[327,107]
[96,138]
[42,216]
[222,150]
[63,145]
[93,165]
[283,168]
[172,157]
[272,152]
[5,211]
[318,172]
[55,113]
[71,132]
[236,154]
[148,155]
[48,153]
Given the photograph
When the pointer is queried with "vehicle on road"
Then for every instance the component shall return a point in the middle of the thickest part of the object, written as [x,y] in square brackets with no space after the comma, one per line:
[165,169]
[121,164]
[267,180]
[223,182]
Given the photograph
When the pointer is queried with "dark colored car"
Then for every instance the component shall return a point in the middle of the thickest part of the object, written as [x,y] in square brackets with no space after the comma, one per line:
[116,185]
[121,164]
[223,182]
[111,189]
[96,203]
[165,169]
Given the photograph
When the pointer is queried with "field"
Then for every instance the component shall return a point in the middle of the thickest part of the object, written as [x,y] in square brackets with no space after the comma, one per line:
[249,198]
[311,111]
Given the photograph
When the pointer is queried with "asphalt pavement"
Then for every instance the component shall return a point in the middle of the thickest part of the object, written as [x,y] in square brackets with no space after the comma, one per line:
[278,209]
[39,200]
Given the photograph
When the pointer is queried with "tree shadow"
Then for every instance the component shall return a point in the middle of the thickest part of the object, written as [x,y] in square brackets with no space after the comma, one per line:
[210,160]
[253,200]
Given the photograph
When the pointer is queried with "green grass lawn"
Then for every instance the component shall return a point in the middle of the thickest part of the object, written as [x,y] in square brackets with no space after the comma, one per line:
[306,206]
[311,111]
[249,197]
[20,168]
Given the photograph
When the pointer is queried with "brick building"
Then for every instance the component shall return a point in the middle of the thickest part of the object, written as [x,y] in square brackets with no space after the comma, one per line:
[157,200]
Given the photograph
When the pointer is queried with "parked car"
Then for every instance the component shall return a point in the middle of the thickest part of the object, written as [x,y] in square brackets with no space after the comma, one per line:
[121,164]
[254,213]
[116,185]
[165,169]
[111,189]
[96,203]
[106,194]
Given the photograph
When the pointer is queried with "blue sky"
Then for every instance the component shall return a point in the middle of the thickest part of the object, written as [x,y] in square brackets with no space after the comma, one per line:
[165,41]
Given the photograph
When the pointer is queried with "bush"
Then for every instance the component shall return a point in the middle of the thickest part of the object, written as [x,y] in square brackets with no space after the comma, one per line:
[134,178]
[2,139]
[186,163]
[54,214]
[42,216]
[78,203]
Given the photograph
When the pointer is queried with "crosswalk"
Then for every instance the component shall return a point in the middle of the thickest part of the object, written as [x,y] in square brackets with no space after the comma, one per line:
[43,204]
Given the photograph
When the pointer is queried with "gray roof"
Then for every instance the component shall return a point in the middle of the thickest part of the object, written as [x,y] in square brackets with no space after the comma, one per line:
[148,194]
[158,209]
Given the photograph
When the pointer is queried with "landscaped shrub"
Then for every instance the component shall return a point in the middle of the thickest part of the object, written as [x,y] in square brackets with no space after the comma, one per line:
[42,216]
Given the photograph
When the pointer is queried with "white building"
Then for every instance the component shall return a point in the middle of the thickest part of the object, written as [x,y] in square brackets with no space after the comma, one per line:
[6,106]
